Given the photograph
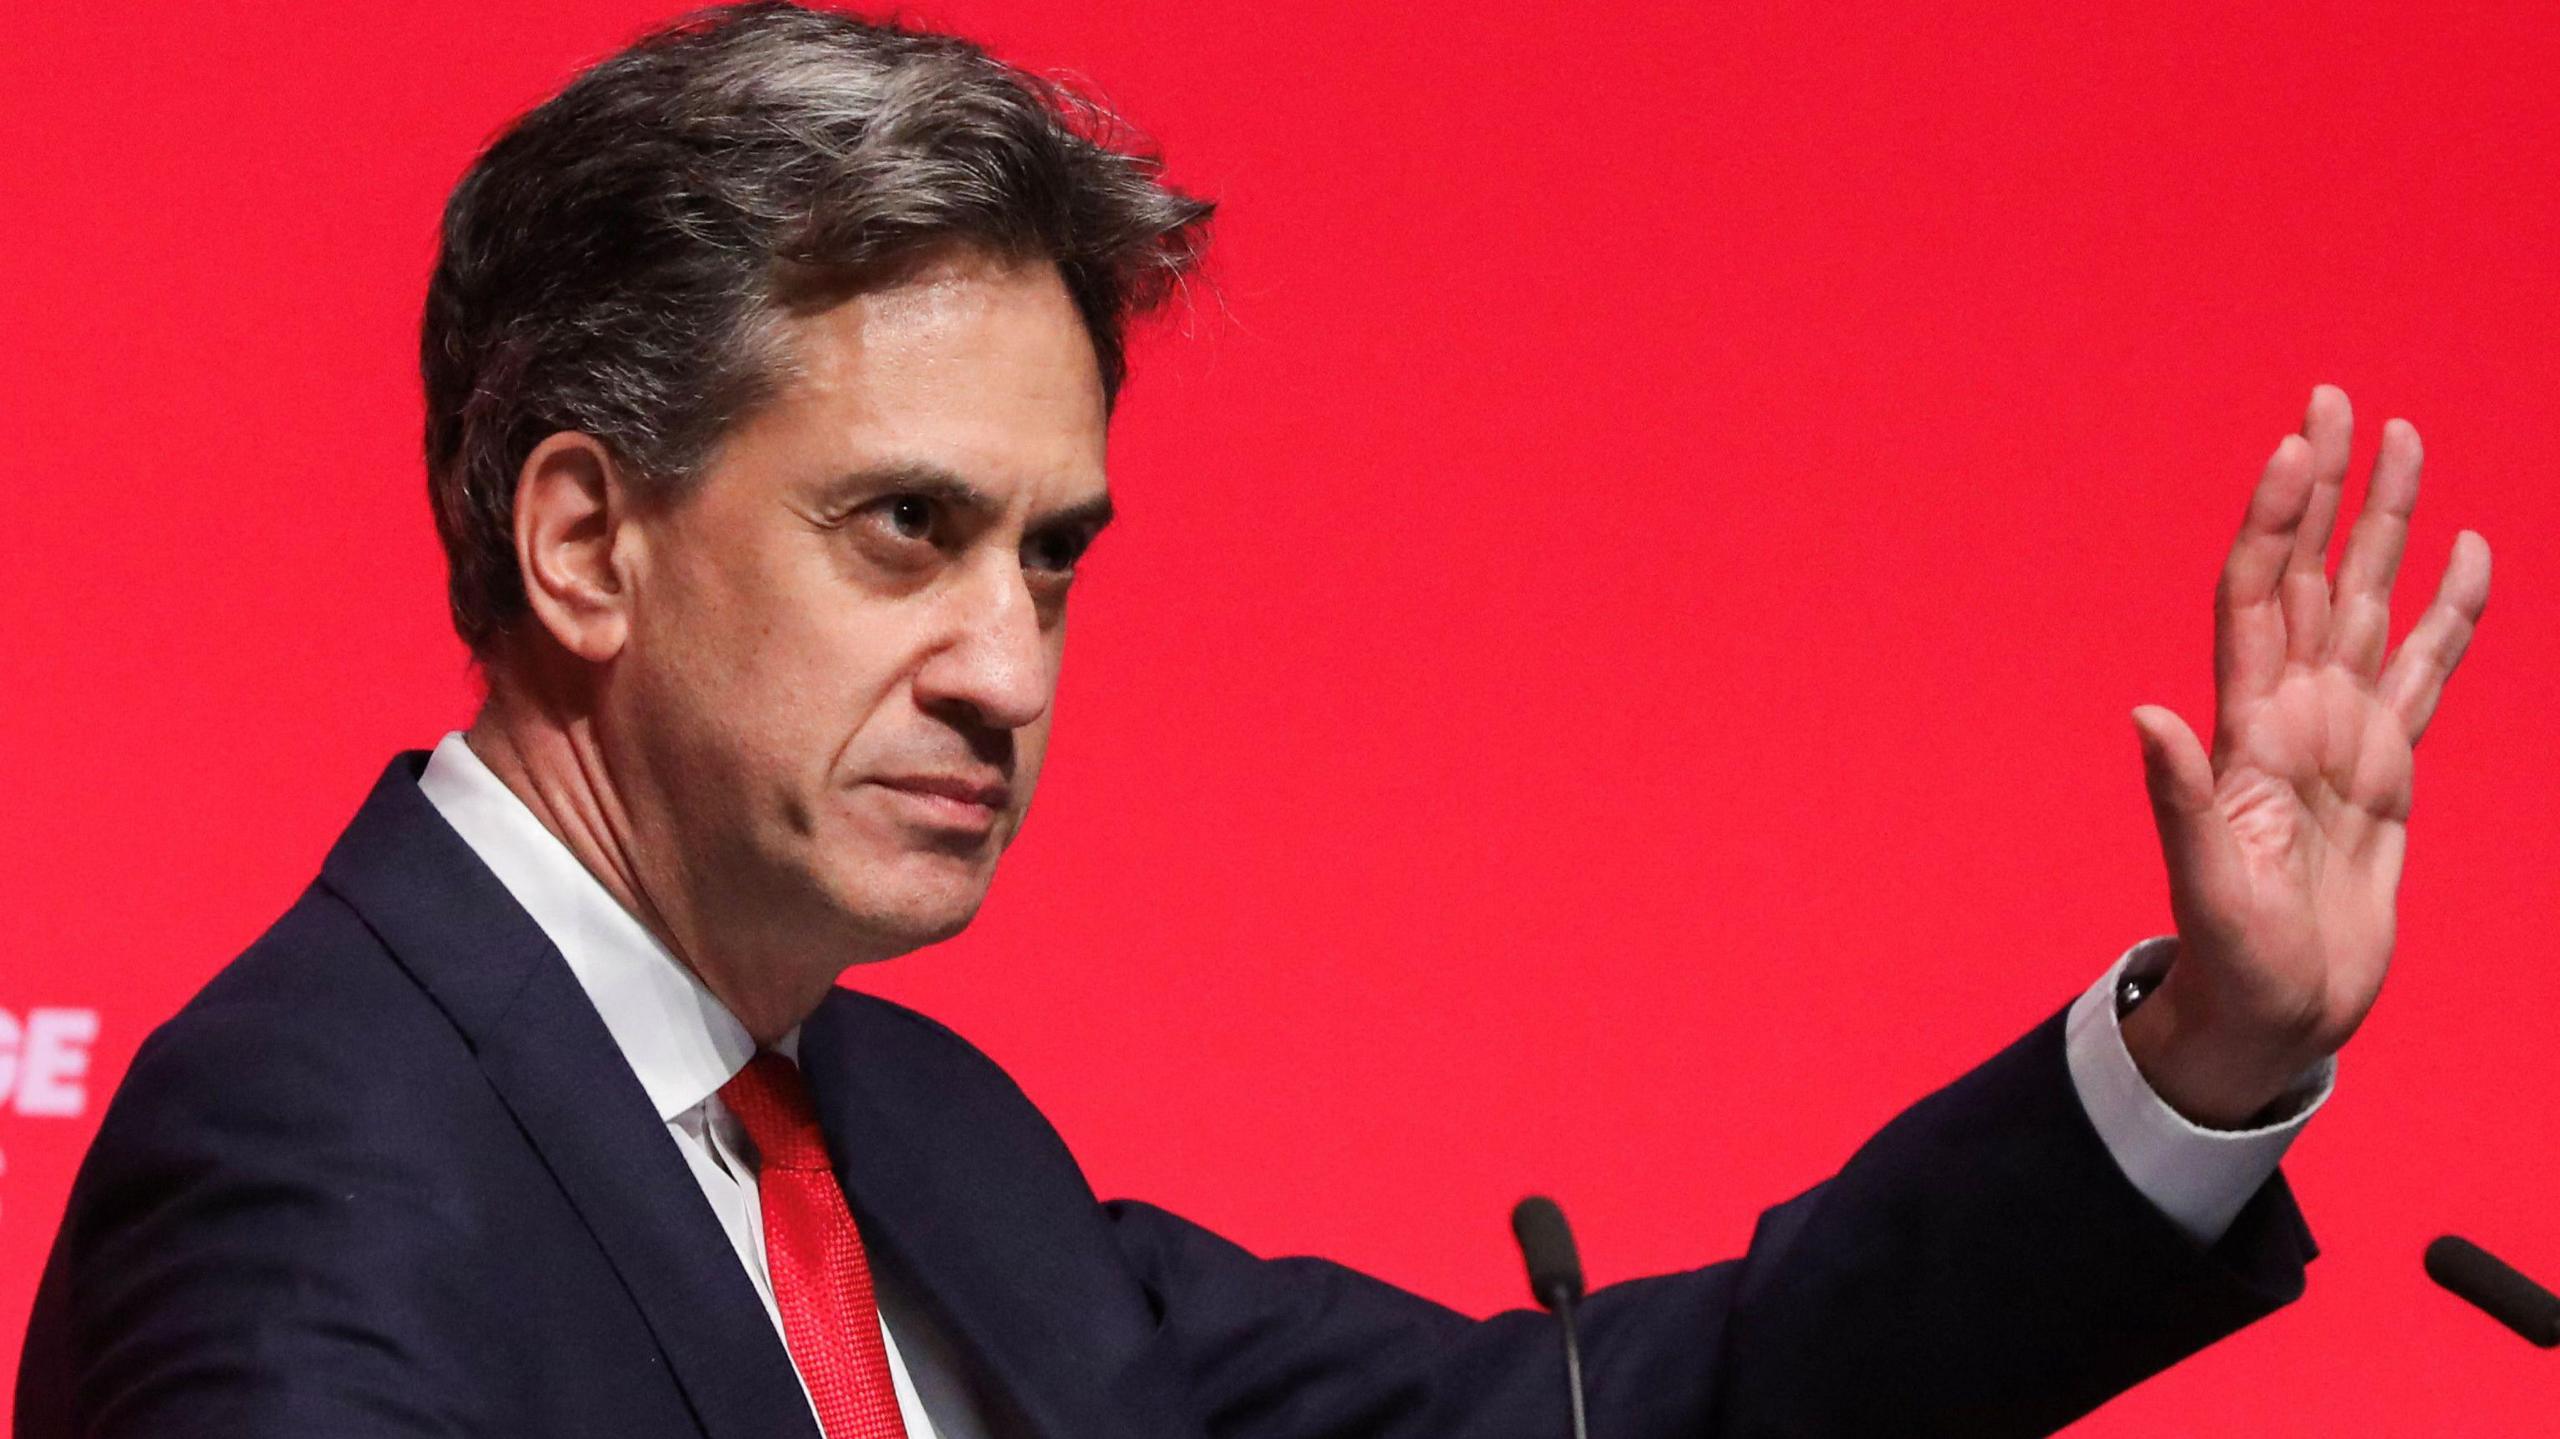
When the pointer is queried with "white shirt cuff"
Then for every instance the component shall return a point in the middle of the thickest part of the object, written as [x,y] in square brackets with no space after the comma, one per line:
[2199,1177]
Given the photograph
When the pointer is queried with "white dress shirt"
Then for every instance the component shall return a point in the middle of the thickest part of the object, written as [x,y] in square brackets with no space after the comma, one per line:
[684,1045]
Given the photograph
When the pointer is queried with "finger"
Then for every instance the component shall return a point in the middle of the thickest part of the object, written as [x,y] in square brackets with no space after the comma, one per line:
[2205,877]
[2248,619]
[2416,678]
[2361,616]
[2328,426]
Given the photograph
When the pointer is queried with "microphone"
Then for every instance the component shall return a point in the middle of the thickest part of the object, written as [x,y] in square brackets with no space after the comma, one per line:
[2506,1296]
[1555,1278]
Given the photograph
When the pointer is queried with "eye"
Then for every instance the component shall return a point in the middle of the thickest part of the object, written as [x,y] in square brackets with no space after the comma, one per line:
[1057,550]
[901,533]
[908,516]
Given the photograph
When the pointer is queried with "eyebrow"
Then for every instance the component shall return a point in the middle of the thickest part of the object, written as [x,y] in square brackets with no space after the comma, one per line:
[922,477]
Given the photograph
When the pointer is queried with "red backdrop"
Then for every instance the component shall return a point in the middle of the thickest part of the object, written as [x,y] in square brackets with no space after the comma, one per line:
[1613,676]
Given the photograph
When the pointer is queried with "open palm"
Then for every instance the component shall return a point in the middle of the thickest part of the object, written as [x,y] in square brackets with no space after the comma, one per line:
[2284,848]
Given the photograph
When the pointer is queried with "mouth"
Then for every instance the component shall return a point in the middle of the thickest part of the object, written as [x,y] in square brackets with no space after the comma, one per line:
[958,803]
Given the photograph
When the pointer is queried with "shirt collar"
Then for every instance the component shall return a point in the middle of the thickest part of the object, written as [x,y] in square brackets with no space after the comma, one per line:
[678,1037]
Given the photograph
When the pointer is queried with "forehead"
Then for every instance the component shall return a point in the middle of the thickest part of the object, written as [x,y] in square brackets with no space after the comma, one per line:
[979,365]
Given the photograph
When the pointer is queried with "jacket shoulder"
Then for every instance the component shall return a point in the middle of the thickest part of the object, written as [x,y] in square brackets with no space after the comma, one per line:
[910,1058]
[315,1009]
[278,1197]
[913,1035]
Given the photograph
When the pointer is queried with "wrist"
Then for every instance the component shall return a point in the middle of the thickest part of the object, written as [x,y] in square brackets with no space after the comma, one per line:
[2215,1073]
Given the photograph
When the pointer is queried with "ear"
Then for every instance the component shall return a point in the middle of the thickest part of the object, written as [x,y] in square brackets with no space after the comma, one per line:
[574,504]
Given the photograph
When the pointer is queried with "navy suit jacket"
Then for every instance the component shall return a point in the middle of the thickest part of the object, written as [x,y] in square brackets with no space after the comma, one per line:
[387,1175]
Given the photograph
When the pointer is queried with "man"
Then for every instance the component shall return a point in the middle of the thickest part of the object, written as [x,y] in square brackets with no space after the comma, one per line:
[768,372]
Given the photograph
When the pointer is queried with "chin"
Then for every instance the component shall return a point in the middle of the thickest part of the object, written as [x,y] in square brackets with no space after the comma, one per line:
[892,919]
[887,936]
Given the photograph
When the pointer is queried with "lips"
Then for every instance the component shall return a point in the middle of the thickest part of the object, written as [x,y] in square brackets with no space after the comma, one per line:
[967,806]
[965,788]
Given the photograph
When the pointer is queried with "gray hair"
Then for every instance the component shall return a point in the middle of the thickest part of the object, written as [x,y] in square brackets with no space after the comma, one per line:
[615,261]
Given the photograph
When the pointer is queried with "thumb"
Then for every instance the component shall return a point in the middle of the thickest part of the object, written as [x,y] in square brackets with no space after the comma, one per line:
[2195,841]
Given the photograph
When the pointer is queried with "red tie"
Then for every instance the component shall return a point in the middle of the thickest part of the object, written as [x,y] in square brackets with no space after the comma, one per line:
[812,1252]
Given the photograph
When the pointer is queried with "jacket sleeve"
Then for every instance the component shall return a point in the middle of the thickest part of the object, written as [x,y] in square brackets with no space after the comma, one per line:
[1979,1267]
[249,1252]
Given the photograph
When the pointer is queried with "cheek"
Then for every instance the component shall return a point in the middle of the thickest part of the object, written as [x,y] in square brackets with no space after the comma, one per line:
[826,686]
[740,680]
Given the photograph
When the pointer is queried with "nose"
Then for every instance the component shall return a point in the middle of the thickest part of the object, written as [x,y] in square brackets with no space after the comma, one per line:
[995,667]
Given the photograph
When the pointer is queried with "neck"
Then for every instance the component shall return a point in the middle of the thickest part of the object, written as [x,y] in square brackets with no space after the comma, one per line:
[543,743]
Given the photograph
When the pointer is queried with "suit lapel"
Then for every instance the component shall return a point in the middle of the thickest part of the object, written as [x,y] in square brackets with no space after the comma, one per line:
[987,1220]
[548,1054]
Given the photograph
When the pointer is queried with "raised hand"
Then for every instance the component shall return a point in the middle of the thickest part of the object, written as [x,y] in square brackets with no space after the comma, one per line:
[2284,849]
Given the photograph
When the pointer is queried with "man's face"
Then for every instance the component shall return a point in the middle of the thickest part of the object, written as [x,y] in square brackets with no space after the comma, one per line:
[844,640]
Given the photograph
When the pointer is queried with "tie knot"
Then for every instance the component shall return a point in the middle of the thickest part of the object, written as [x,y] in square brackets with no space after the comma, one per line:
[772,1101]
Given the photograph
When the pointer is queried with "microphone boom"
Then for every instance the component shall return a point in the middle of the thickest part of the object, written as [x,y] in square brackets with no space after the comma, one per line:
[1555,1278]
[2487,1281]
